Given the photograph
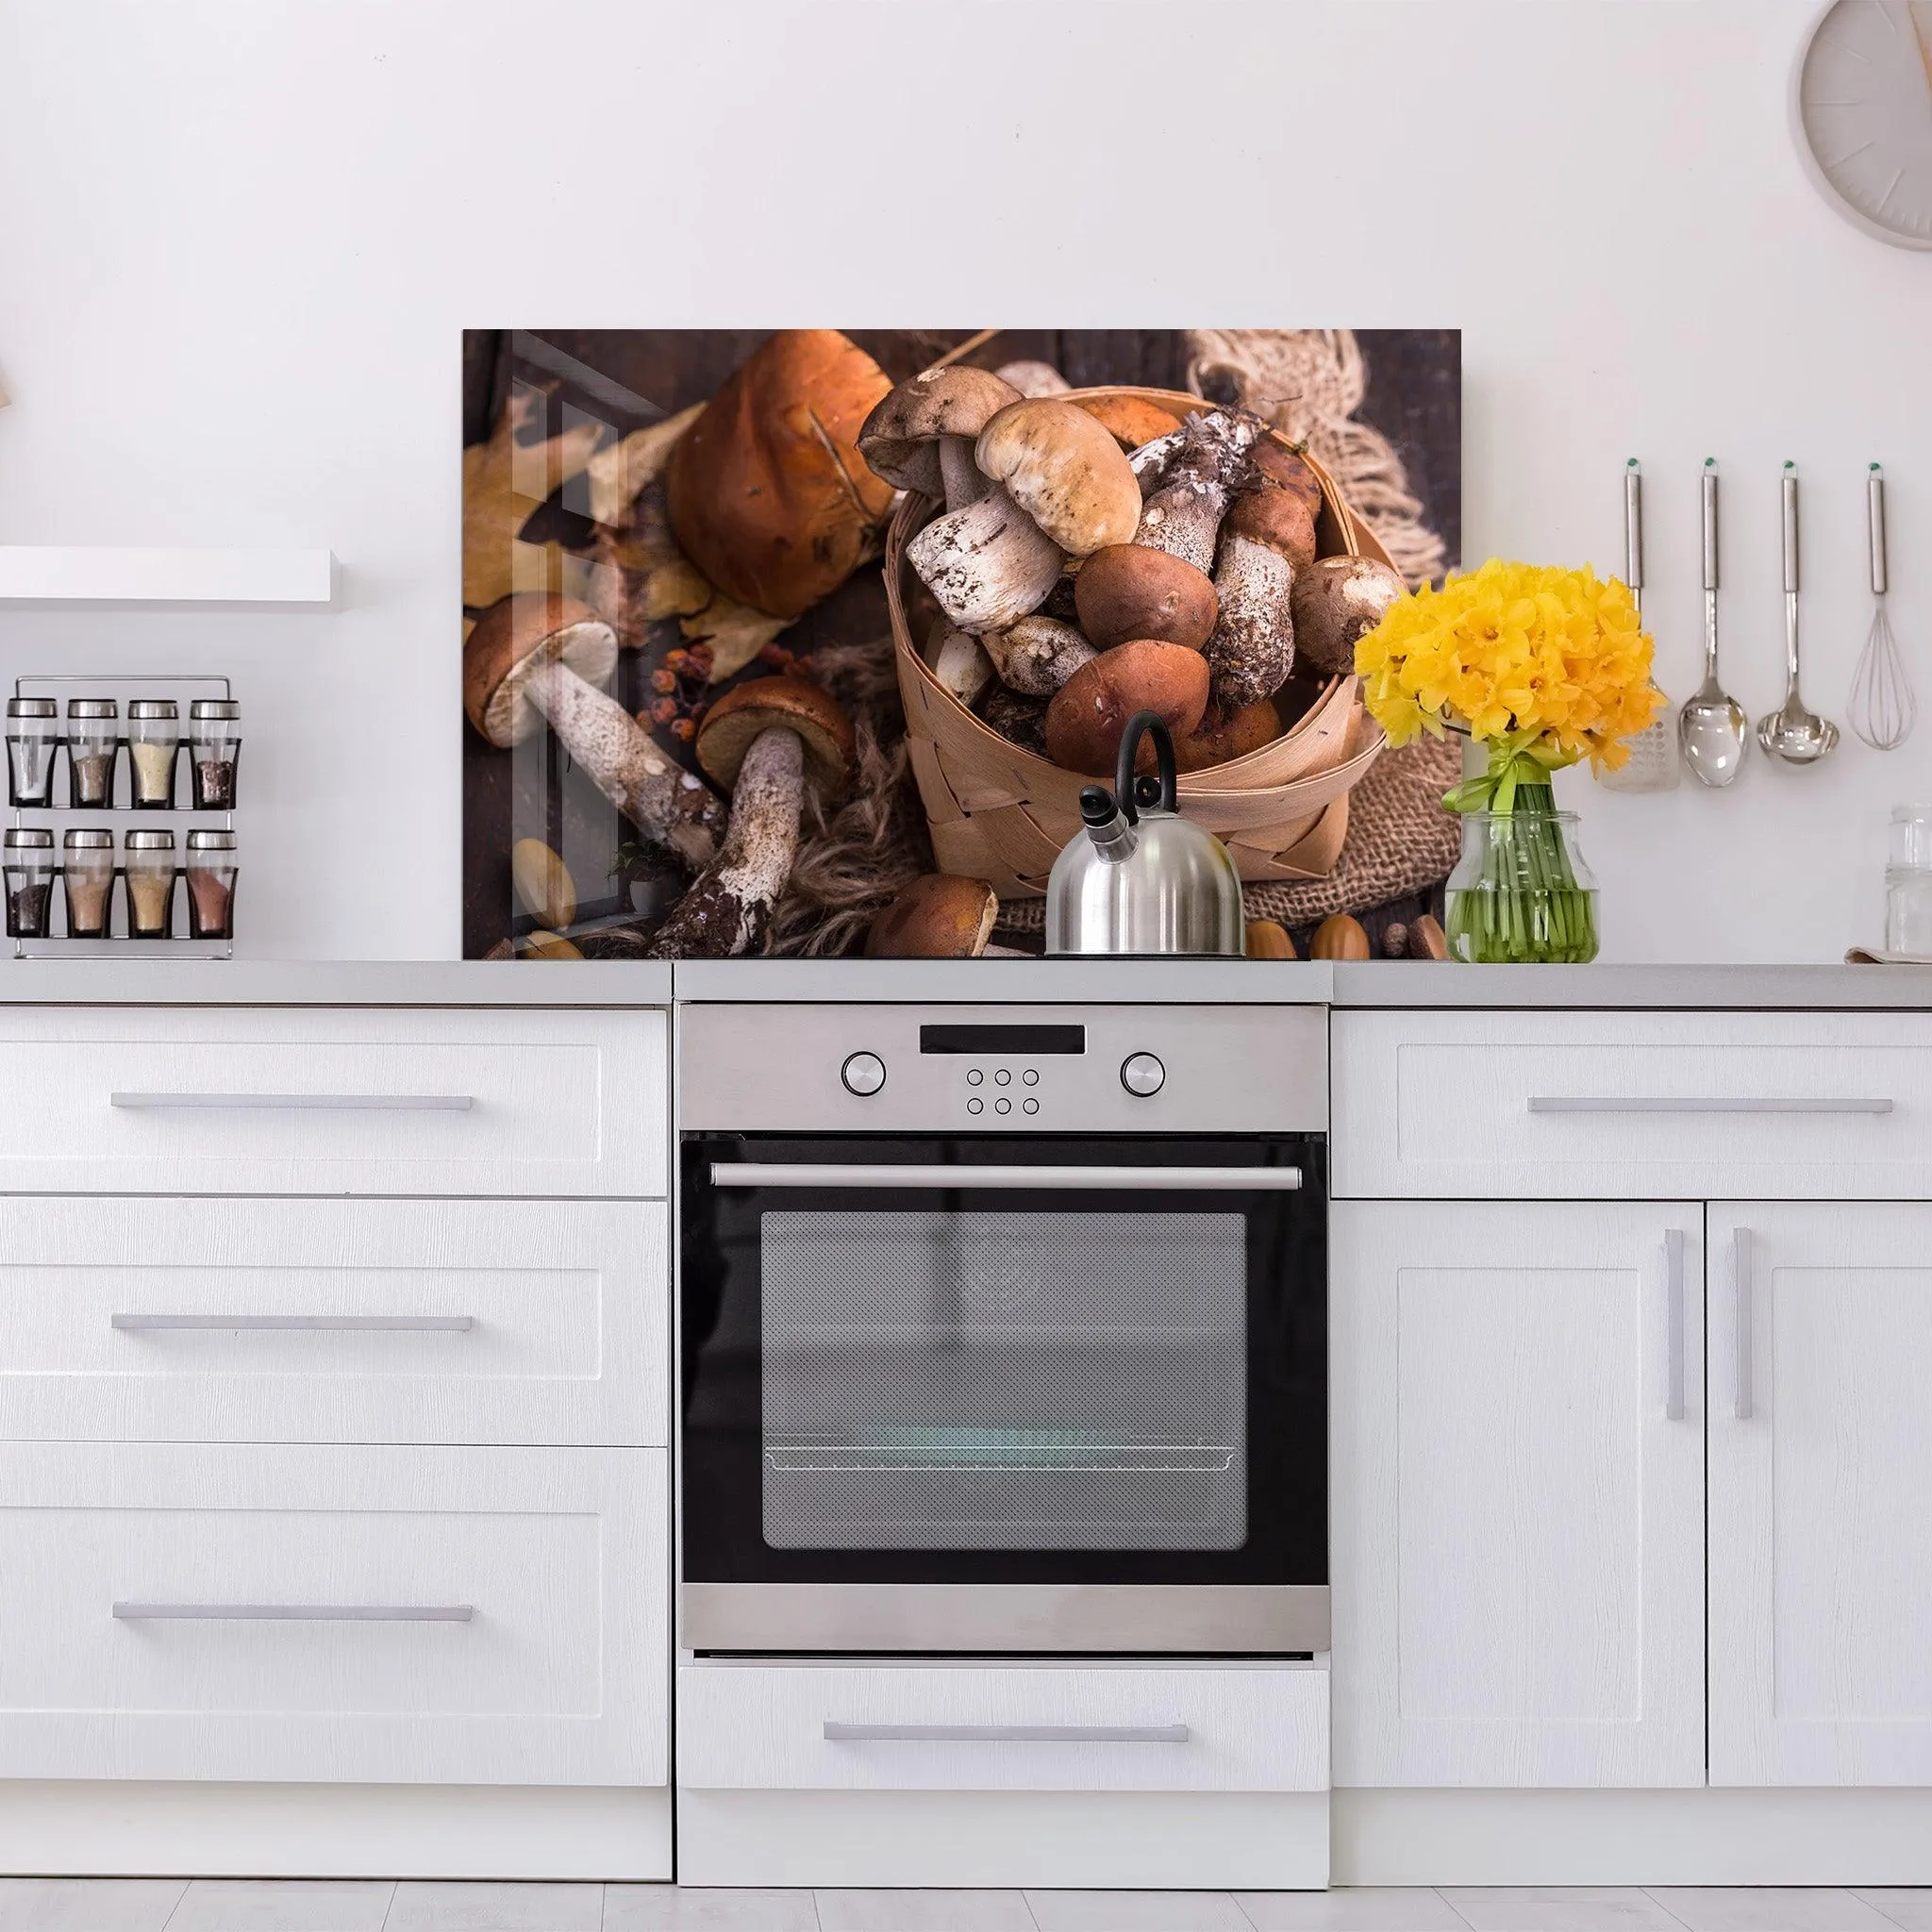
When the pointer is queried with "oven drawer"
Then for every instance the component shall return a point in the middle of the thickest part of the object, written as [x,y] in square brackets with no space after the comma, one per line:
[1008,1727]
[1633,1105]
[332,1101]
[447,1616]
[137,1319]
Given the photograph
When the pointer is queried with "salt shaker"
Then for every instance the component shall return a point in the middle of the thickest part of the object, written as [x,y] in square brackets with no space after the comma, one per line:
[33,736]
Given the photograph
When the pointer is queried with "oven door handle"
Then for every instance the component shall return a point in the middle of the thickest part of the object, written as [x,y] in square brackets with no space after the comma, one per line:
[836,1733]
[1224,1180]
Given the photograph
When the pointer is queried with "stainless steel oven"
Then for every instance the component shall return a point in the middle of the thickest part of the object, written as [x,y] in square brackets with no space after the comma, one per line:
[1003,1329]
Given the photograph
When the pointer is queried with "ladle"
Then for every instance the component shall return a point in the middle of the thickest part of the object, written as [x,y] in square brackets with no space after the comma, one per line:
[1795,734]
[1711,727]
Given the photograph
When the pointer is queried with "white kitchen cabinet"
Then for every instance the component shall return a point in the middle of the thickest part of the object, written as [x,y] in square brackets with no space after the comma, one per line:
[1517,1493]
[1821,1494]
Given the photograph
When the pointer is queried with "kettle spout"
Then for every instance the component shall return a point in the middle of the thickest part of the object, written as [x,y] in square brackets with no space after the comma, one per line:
[1114,837]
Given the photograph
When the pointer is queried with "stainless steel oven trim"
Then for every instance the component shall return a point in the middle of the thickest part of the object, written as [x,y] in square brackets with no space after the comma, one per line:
[1224,1180]
[1150,1619]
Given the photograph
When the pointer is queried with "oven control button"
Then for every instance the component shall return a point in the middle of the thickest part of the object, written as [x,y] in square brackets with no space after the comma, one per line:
[1141,1073]
[1031,1105]
[973,1104]
[1031,1077]
[1003,1105]
[973,1077]
[863,1073]
[1003,1078]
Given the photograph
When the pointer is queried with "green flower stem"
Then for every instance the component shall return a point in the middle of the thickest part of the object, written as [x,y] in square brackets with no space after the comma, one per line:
[1526,906]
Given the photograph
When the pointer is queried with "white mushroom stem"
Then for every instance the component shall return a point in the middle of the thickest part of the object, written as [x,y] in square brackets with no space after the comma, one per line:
[730,903]
[960,664]
[1183,515]
[1038,655]
[987,564]
[656,793]
[963,480]
[1252,650]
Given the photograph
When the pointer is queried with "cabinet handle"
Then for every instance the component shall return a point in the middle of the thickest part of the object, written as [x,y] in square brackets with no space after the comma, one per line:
[296,1613]
[358,1102]
[836,1733]
[455,1324]
[1580,1102]
[1228,1180]
[1673,1325]
[1741,1280]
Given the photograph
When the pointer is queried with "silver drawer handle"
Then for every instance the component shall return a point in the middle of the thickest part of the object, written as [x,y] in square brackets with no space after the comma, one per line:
[1228,1180]
[1673,1325]
[356,1103]
[1576,1103]
[387,1324]
[1005,1734]
[1741,1283]
[296,1613]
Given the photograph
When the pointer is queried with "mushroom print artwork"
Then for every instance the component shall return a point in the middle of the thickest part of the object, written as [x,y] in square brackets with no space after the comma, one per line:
[804,642]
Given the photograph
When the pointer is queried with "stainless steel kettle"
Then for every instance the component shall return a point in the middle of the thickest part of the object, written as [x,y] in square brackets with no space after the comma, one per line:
[1138,877]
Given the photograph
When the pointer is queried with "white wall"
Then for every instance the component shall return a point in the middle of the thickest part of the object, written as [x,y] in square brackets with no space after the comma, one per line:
[239,238]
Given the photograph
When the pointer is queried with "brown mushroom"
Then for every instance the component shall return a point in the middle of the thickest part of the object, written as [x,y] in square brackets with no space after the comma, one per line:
[534,654]
[1131,421]
[1128,590]
[1426,939]
[1286,469]
[1183,514]
[1252,650]
[940,916]
[1219,738]
[1341,937]
[1269,940]
[986,565]
[1034,378]
[1276,516]
[542,882]
[922,436]
[1038,655]
[1337,602]
[763,742]
[1085,719]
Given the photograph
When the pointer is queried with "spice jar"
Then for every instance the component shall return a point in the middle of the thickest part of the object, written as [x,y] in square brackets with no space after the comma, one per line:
[153,743]
[214,744]
[29,870]
[93,741]
[87,869]
[33,736]
[148,860]
[211,865]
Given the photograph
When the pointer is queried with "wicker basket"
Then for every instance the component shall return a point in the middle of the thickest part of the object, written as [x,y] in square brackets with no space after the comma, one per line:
[1002,813]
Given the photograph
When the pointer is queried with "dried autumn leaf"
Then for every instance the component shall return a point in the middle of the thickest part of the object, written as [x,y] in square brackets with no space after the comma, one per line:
[497,477]
[619,473]
[734,632]
[652,578]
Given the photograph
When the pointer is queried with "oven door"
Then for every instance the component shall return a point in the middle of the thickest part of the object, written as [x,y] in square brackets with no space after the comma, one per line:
[1004,1392]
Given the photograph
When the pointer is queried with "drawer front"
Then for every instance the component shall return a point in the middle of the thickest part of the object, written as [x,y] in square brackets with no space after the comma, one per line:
[1653,1106]
[124,1319]
[446,1616]
[1017,1726]
[331,1101]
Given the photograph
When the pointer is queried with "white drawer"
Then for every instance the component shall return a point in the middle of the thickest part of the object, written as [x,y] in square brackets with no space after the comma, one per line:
[831,1727]
[547,1665]
[332,1101]
[132,1319]
[1644,1106]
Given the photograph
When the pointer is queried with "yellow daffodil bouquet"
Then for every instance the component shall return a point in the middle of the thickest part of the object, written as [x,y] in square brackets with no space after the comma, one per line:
[1545,667]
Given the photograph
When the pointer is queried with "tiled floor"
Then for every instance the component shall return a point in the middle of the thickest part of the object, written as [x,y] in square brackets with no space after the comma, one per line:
[172,1905]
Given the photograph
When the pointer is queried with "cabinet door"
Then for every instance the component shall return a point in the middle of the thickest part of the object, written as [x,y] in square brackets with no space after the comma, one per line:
[1821,1527]
[1518,1493]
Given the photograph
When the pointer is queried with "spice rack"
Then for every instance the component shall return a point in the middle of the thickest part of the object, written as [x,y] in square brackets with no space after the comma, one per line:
[122,815]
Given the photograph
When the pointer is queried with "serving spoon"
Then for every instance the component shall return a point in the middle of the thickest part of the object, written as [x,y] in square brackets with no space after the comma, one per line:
[1711,727]
[1795,734]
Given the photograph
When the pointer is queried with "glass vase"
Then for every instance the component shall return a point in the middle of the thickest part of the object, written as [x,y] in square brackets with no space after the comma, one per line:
[1521,893]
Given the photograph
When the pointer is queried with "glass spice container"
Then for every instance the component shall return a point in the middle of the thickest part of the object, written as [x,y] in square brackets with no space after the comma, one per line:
[33,736]
[87,871]
[1909,883]
[214,744]
[154,745]
[29,870]
[94,743]
[148,861]
[211,868]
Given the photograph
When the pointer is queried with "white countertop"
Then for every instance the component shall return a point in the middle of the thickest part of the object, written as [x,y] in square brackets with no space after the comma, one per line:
[334,983]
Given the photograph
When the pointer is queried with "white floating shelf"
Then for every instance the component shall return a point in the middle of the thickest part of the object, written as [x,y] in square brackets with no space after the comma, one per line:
[261,579]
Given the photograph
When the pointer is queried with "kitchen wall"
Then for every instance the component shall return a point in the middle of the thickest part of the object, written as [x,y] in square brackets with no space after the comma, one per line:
[238,244]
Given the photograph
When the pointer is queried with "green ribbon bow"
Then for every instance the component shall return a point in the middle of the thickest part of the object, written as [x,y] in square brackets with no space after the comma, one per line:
[1515,762]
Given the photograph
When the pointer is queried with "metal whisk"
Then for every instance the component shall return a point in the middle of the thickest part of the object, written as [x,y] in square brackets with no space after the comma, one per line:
[1883,707]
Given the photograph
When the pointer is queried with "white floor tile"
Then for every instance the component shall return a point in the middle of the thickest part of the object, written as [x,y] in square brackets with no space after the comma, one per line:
[1768,1908]
[1909,1906]
[272,1904]
[1367,1908]
[1137,1911]
[88,1905]
[456,1908]
[923,1912]
[706,1908]
[1558,1908]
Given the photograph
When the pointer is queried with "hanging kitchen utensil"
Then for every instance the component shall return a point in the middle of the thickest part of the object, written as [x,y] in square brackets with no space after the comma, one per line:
[1712,729]
[1882,706]
[1651,765]
[1793,733]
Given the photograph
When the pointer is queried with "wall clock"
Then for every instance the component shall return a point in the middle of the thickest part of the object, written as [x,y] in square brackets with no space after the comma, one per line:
[1861,114]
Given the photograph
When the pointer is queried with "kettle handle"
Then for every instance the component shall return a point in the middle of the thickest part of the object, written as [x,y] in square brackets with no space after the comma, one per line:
[1146,721]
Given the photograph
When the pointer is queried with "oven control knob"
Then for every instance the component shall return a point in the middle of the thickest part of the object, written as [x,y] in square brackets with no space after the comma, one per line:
[863,1074]
[1142,1074]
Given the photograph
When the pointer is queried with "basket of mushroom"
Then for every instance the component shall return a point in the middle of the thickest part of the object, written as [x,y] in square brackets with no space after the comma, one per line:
[1061,563]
